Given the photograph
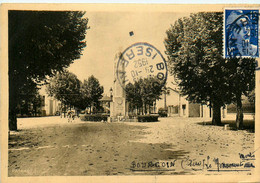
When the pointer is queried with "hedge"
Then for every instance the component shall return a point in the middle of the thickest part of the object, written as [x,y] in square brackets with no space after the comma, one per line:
[148,118]
[95,117]
[100,117]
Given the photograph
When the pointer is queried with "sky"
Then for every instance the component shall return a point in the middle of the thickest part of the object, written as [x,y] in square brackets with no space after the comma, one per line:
[109,34]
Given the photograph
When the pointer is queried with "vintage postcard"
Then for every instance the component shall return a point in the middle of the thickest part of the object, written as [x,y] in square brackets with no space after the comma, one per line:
[130,93]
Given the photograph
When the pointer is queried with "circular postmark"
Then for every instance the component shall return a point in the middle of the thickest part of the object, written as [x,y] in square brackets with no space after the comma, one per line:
[141,60]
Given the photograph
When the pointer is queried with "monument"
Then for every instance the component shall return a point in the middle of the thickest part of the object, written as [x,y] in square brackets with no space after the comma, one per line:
[118,105]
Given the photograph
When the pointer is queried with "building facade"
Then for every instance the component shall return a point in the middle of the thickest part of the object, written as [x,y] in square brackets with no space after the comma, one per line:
[177,105]
[50,105]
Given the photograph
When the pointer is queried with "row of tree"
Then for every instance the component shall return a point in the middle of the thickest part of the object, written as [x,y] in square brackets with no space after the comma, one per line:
[31,104]
[68,89]
[143,94]
[40,43]
[194,46]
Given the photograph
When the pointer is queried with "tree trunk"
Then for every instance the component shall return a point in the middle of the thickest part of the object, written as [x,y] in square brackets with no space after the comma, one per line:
[216,119]
[143,112]
[145,109]
[12,120]
[240,116]
[154,109]
[34,110]
[13,102]
[148,109]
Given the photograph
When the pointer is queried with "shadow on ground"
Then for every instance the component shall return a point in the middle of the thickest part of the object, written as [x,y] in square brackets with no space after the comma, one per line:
[85,149]
[248,125]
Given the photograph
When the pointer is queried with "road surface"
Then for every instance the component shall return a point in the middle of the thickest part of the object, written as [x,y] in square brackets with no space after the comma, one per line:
[50,146]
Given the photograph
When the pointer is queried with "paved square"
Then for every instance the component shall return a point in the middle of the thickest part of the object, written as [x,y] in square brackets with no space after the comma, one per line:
[52,146]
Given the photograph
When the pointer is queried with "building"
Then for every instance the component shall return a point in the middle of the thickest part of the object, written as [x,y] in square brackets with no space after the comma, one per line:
[105,103]
[177,105]
[41,105]
[50,105]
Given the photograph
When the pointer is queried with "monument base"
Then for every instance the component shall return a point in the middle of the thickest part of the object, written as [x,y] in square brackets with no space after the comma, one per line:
[118,107]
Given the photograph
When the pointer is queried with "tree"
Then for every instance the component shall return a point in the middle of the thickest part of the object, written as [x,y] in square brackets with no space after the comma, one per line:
[92,92]
[194,49]
[28,94]
[40,44]
[37,103]
[241,82]
[151,90]
[31,104]
[251,96]
[133,96]
[144,92]
[194,57]
[65,87]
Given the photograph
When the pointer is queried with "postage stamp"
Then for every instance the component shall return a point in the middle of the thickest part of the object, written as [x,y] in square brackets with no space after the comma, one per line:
[241,30]
[141,60]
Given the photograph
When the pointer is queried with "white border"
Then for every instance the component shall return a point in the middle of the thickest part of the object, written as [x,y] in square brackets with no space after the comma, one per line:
[139,2]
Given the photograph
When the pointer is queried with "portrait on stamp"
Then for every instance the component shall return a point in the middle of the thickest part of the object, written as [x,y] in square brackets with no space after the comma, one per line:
[241,33]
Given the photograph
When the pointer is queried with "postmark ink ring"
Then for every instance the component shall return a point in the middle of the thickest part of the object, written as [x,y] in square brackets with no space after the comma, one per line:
[141,60]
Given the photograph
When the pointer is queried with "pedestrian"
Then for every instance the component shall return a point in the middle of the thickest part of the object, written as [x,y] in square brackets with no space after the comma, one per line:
[70,115]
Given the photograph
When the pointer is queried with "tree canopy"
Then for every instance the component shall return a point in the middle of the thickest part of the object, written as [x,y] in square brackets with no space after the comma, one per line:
[194,50]
[66,88]
[92,91]
[144,92]
[41,43]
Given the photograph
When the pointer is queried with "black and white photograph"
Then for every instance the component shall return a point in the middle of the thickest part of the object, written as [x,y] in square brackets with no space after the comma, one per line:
[140,92]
